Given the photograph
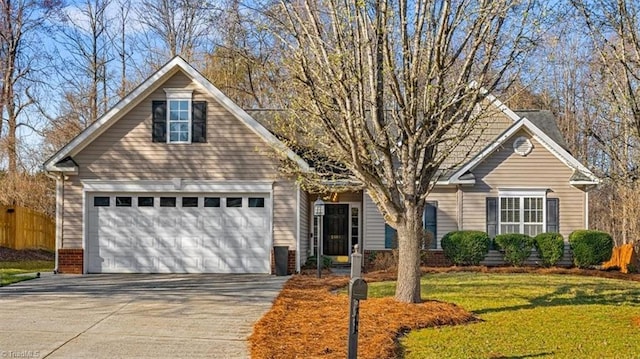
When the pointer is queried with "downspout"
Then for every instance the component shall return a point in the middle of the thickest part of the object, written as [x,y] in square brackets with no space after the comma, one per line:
[299,235]
[59,178]
[586,205]
[459,207]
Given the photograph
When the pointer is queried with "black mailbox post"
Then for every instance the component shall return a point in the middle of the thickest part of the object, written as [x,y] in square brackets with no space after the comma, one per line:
[357,291]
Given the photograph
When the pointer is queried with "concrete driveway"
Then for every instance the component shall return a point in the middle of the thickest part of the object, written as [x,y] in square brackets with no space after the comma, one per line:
[133,315]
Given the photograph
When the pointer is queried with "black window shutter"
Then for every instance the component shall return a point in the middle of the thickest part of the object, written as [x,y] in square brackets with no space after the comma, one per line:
[553,215]
[199,121]
[389,234]
[159,127]
[492,216]
[431,221]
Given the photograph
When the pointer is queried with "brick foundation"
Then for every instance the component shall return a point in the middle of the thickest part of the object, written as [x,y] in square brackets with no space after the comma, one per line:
[430,258]
[70,260]
[436,258]
[291,262]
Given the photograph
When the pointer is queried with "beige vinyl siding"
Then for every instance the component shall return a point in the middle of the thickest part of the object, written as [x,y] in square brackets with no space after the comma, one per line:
[284,214]
[491,124]
[446,216]
[305,221]
[72,214]
[540,169]
[125,151]
[374,224]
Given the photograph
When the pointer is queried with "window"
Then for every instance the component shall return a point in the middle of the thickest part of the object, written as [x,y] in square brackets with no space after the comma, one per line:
[212,201]
[145,201]
[101,201]
[123,201]
[522,213]
[179,119]
[256,202]
[234,202]
[189,201]
[167,201]
[430,224]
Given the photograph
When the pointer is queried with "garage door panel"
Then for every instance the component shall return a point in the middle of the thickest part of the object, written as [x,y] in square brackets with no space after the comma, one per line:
[234,241]
[167,242]
[178,240]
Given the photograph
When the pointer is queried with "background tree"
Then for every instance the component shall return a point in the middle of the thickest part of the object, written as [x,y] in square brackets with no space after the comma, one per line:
[613,29]
[246,61]
[384,88]
[84,41]
[174,27]
[22,64]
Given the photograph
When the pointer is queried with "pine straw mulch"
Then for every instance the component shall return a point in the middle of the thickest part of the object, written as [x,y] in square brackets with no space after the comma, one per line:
[17,255]
[310,320]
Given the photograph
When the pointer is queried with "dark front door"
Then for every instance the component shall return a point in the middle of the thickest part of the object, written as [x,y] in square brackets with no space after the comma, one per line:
[335,229]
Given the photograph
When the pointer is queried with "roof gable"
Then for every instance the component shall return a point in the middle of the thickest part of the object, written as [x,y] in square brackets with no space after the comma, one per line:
[585,176]
[141,92]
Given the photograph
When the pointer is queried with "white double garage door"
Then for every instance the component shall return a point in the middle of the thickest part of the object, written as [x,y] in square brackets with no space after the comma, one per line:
[178,233]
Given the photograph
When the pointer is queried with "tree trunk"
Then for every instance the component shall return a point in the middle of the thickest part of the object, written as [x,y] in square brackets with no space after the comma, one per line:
[409,246]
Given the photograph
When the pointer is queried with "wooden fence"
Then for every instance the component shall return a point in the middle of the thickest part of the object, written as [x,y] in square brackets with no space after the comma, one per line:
[24,228]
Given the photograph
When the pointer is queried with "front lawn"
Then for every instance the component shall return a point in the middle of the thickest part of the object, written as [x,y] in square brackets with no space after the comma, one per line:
[13,271]
[529,315]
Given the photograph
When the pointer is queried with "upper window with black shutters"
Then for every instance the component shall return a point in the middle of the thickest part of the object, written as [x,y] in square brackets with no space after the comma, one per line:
[179,119]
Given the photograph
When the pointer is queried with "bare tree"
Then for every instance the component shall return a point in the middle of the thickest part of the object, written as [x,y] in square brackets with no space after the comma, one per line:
[180,26]
[246,63]
[614,31]
[383,90]
[121,44]
[84,41]
[20,22]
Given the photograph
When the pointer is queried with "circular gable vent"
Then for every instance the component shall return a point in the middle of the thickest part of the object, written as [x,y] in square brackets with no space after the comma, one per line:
[522,146]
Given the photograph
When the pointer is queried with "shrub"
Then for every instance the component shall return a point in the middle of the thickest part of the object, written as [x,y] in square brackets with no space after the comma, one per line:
[516,247]
[466,247]
[383,260]
[550,247]
[312,262]
[590,247]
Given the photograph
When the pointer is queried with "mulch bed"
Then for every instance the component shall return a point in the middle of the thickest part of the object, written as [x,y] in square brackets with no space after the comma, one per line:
[310,320]
[16,255]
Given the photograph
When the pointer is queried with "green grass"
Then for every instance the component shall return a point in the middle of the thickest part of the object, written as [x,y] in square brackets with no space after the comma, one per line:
[12,272]
[529,316]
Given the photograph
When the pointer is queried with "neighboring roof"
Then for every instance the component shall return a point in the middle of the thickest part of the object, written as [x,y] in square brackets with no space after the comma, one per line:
[546,122]
[55,162]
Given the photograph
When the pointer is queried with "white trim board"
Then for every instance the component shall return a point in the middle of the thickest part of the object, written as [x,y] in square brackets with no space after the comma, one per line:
[177,185]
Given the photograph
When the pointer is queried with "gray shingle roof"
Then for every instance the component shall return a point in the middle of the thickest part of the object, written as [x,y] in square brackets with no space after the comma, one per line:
[546,122]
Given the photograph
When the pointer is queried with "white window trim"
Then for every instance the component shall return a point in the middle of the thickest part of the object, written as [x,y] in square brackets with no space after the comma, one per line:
[522,194]
[178,94]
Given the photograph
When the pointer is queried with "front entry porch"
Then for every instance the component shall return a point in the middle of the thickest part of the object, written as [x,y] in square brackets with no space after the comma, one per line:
[340,230]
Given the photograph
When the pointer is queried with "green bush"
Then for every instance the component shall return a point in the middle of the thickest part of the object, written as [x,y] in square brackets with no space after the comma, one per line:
[312,262]
[590,247]
[466,247]
[550,247]
[515,247]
